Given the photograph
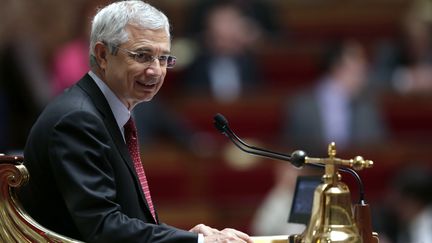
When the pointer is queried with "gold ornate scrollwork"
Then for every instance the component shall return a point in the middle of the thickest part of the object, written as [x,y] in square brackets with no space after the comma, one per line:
[15,224]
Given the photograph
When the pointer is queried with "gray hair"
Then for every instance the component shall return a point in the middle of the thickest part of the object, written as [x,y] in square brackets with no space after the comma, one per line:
[109,24]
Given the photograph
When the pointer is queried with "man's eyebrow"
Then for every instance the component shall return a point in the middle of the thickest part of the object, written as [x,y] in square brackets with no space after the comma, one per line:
[144,49]
[150,50]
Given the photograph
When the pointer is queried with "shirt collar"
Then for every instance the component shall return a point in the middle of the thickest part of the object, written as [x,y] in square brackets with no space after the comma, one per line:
[120,111]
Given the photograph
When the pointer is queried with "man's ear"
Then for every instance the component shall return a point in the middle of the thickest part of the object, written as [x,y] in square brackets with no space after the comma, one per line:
[101,52]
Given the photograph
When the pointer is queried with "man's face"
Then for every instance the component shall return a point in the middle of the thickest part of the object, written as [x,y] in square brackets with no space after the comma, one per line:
[131,81]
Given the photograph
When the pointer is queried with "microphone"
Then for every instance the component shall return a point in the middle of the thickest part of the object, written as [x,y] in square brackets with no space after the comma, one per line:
[297,158]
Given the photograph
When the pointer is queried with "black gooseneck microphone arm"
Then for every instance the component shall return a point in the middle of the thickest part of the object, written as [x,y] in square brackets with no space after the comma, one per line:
[297,158]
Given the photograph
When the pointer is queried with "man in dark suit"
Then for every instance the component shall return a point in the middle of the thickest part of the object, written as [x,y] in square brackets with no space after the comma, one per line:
[338,108]
[225,68]
[87,181]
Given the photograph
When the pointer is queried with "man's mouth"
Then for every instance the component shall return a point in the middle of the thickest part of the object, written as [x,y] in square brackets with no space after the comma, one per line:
[147,84]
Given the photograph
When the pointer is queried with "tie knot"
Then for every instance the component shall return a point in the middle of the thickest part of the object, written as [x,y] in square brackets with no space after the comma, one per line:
[130,129]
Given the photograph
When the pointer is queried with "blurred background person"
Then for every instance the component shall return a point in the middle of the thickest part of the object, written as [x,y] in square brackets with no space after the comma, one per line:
[225,67]
[406,214]
[24,85]
[261,12]
[404,64]
[338,108]
[70,61]
[271,217]
[413,74]
[158,124]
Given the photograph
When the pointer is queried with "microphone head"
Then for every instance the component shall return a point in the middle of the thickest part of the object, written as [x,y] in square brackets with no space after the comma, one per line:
[219,118]
[220,123]
[298,158]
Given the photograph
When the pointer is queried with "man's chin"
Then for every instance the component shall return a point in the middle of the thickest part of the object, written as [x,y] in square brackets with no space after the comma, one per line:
[146,99]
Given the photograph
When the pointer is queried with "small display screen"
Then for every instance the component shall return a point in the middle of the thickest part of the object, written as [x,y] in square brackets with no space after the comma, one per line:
[303,199]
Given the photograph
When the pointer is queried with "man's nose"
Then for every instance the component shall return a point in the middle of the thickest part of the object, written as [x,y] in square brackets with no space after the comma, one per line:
[154,68]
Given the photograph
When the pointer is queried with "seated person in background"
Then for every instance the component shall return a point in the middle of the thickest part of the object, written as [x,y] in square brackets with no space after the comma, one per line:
[271,218]
[413,73]
[157,123]
[70,61]
[336,109]
[407,209]
[263,13]
[87,179]
[404,65]
[225,68]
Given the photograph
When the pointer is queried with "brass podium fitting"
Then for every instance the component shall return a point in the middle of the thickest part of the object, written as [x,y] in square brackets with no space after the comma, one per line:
[332,217]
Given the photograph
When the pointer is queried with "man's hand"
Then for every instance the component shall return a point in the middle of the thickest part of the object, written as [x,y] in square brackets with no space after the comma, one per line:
[225,235]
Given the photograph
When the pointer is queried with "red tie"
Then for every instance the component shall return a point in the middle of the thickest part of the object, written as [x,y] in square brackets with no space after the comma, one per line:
[132,143]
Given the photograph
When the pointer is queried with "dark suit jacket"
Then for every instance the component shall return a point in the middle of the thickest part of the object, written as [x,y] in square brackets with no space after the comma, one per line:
[198,74]
[82,179]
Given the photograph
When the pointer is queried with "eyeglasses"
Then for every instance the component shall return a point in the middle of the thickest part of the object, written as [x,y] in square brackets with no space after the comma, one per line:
[167,61]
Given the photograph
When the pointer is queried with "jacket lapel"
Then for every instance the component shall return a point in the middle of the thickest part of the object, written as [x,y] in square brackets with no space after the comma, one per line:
[90,87]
